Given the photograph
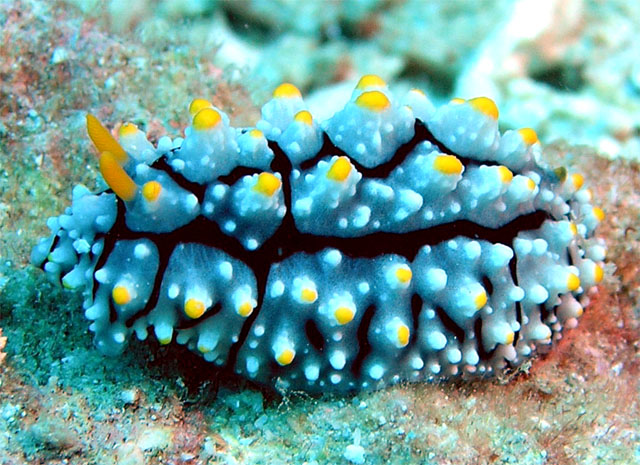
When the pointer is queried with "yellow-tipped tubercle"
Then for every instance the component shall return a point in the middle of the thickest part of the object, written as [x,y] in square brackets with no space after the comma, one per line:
[151,191]
[598,273]
[127,129]
[286,90]
[194,308]
[485,105]
[116,177]
[578,180]
[447,164]
[598,213]
[343,315]
[104,141]
[403,333]
[373,100]
[370,80]
[121,295]
[268,184]
[573,228]
[509,337]
[245,309]
[198,104]
[403,274]
[480,300]
[207,118]
[285,357]
[309,295]
[304,117]
[340,169]
[573,282]
[529,136]
[505,174]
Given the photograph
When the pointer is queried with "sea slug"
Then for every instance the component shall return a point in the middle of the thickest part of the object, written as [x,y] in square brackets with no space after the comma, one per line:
[394,241]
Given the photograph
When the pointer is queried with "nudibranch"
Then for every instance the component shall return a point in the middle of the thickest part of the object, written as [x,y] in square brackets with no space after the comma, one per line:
[394,241]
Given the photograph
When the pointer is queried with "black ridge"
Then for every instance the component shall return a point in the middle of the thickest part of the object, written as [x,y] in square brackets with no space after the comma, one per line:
[477,332]
[287,240]
[513,268]
[364,346]
[314,335]
[450,325]
[196,189]
[416,308]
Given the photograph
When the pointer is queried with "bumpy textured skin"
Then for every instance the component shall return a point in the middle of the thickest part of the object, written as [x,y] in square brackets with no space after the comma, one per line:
[394,241]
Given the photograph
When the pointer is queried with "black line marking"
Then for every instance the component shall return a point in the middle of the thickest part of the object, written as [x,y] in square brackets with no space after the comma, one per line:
[544,313]
[54,244]
[513,269]
[314,336]
[364,347]
[416,308]
[487,284]
[237,173]
[450,325]
[477,331]
[287,240]
[196,189]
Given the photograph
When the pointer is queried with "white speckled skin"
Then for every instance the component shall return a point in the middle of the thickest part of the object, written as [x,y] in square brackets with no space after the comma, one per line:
[396,251]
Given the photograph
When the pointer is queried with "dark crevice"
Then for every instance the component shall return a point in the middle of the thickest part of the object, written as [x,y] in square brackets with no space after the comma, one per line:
[238,173]
[569,256]
[488,286]
[314,335]
[54,244]
[450,325]
[544,312]
[196,189]
[364,346]
[113,313]
[513,269]
[416,308]
[477,332]
[516,335]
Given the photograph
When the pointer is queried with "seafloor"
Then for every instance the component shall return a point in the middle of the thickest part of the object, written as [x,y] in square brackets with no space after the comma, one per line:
[569,69]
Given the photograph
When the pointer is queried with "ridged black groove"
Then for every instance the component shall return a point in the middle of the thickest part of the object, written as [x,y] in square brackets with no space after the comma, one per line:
[450,325]
[196,189]
[477,332]
[314,335]
[287,240]
[487,284]
[364,346]
[416,308]
[513,269]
